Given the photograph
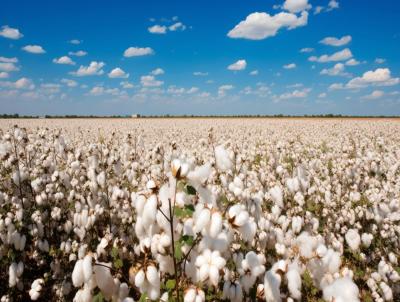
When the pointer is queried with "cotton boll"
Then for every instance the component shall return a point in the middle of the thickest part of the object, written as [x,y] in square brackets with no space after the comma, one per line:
[152,275]
[202,220]
[387,291]
[140,278]
[104,279]
[276,196]
[353,239]
[294,280]
[366,239]
[272,282]
[78,274]
[342,289]
[216,224]
[190,295]
[36,288]
[12,274]
[223,160]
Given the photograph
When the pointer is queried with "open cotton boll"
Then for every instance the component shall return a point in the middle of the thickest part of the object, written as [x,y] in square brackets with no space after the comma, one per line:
[342,289]
[36,288]
[200,174]
[294,280]
[12,274]
[272,282]
[307,244]
[353,239]
[366,239]
[216,224]
[276,196]
[149,211]
[223,160]
[77,274]
[104,279]
[87,268]
[202,220]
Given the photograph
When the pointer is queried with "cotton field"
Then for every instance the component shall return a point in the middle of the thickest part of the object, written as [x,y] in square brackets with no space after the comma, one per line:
[200,210]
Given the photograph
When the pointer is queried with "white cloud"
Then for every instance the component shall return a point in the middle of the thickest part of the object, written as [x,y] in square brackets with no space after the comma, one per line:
[322,95]
[36,49]
[64,60]
[223,89]
[192,90]
[95,68]
[177,26]
[238,65]
[332,41]
[75,41]
[376,94]
[138,51]
[254,72]
[258,26]
[333,4]
[150,81]
[8,67]
[352,62]
[295,94]
[3,75]
[118,73]
[289,66]
[69,83]
[380,61]
[97,90]
[337,70]
[341,55]
[306,49]
[200,73]
[157,29]
[296,6]
[79,53]
[157,71]
[377,77]
[8,60]
[318,9]
[10,33]
[126,85]
[22,83]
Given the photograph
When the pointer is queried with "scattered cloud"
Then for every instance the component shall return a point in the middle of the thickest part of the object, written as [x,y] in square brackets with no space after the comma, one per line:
[8,67]
[200,73]
[138,51]
[238,65]
[333,4]
[36,49]
[4,75]
[296,6]
[341,55]
[306,50]
[64,60]
[157,71]
[332,41]
[10,33]
[126,85]
[97,90]
[150,81]
[380,60]
[22,83]
[318,9]
[377,77]
[8,60]
[177,26]
[322,95]
[75,41]
[223,89]
[258,26]
[376,94]
[157,29]
[254,72]
[94,68]
[118,73]
[352,62]
[69,83]
[303,93]
[79,53]
[289,66]
[336,70]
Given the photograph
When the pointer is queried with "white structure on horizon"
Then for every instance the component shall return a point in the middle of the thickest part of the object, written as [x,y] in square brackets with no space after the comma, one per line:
[135,115]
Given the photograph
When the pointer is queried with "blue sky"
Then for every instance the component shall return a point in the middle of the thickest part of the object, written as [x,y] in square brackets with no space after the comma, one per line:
[200,57]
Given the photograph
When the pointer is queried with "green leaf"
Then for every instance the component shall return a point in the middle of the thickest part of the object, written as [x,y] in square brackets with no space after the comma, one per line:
[179,212]
[118,263]
[114,252]
[178,251]
[187,239]
[190,190]
[170,284]
[143,297]
[98,298]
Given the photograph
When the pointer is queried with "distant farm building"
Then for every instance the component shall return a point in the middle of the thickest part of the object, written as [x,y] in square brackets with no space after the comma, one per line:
[135,115]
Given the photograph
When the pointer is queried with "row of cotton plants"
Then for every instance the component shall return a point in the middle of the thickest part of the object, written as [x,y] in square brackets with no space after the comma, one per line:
[146,215]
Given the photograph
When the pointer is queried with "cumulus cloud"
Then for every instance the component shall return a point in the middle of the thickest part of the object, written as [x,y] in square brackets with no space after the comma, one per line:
[118,73]
[94,68]
[126,85]
[332,41]
[97,90]
[69,83]
[79,53]
[7,66]
[306,49]
[223,89]
[157,29]
[376,94]
[157,71]
[36,49]
[64,60]
[341,55]
[380,61]
[296,6]
[138,51]
[289,66]
[336,70]
[8,60]
[333,4]
[322,95]
[22,83]
[258,26]
[352,62]
[254,72]
[4,75]
[377,77]
[150,81]
[238,65]
[303,93]
[177,26]
[75,41]
[10,33]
